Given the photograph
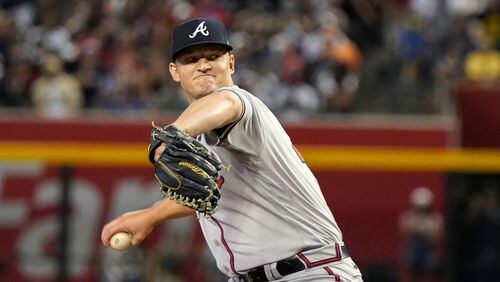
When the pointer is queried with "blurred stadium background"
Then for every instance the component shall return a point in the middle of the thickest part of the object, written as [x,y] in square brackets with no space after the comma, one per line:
[381,97]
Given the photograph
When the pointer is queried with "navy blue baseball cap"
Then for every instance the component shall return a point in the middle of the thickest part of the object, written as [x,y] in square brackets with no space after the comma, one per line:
[198,31]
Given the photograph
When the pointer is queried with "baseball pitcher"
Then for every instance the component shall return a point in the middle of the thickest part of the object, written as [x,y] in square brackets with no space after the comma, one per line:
[227,160]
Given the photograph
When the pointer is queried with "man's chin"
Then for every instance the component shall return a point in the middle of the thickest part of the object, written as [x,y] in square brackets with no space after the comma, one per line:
[205,91]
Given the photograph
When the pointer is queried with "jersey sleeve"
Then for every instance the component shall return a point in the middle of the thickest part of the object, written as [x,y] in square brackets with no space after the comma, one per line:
[245,133]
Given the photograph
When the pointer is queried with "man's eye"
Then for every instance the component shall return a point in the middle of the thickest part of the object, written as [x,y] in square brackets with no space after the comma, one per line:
[191,60]
[213,57]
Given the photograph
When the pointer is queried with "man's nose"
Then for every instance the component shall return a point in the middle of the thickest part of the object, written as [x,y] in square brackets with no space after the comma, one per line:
[204,64]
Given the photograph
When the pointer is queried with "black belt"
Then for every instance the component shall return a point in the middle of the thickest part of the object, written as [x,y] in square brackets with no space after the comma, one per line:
[283,267]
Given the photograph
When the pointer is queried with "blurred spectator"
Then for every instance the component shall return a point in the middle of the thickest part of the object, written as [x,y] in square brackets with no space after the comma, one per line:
[300,97]
[56,94]
[211,9]
[492,25]
[482,63]
[345,65]
[15,71]
[483,229]
[365,18]
[422,228]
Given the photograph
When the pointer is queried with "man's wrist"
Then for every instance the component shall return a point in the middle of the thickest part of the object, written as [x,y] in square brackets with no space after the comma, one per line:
[166,209]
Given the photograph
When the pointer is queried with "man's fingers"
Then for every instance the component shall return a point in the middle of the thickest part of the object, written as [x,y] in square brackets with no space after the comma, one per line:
[108,230]
[136,240]
[105,235]
[159,151]
[131,223]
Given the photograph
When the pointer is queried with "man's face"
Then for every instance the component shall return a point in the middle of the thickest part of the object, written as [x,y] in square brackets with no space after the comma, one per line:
[203,69]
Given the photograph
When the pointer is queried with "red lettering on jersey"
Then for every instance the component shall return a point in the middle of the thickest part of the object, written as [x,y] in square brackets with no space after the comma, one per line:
[299,154]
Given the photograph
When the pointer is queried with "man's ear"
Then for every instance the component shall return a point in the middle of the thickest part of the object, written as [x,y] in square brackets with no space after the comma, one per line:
[173,72]
[231,63]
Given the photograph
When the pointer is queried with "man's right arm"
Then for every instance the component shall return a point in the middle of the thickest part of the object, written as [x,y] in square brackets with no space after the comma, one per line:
[168,209]
[141,222]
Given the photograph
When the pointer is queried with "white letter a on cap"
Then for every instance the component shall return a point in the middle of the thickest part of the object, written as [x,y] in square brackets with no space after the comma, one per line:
[200,28]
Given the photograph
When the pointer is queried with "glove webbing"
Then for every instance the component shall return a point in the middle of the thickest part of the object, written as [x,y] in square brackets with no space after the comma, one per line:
[204,207]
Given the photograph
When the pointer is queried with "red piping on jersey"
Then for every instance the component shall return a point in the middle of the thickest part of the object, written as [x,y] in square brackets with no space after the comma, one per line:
[226,246]
[299,154]
[330,272]
[323,261]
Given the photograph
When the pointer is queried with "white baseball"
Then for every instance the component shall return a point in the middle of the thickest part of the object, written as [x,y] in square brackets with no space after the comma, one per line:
[120,241]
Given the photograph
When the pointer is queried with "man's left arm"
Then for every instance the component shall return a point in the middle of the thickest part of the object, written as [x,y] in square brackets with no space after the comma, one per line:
[210,112]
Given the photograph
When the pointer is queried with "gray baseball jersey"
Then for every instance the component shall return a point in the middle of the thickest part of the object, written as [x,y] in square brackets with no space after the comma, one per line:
[271,206]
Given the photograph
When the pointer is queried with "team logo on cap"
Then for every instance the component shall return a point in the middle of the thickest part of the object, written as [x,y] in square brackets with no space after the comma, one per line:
[201,28]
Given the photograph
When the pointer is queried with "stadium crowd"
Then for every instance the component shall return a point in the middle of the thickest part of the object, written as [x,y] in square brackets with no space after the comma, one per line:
[300,57]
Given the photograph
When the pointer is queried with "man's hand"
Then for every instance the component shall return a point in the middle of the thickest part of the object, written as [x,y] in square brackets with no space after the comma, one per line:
[140,223]
[137,223]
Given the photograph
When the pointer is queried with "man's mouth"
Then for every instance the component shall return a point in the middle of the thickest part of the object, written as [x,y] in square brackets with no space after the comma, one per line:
[204,75]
